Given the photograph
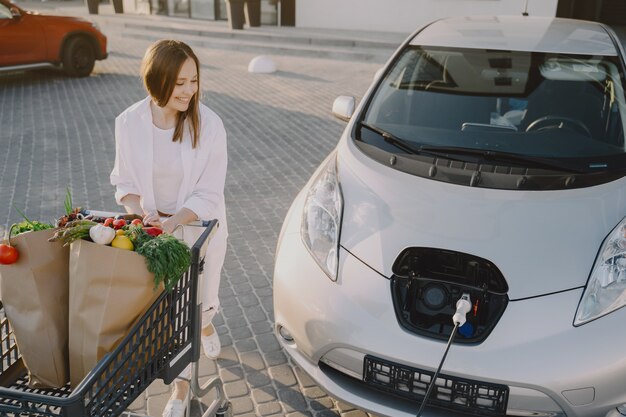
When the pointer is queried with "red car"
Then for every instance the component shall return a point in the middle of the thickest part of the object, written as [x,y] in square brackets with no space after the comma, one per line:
[31,40]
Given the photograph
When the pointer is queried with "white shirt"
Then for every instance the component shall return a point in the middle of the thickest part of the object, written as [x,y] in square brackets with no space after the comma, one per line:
[204,167]
[167,170]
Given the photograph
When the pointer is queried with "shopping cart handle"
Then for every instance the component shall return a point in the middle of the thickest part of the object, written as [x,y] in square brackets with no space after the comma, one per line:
[203,223]
[211,229]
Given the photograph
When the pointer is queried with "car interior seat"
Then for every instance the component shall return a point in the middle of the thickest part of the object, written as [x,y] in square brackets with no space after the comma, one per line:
[578,100]
[444,104]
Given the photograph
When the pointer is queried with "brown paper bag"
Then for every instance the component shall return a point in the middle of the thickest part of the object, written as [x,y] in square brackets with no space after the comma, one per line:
[110,289]
[35,298]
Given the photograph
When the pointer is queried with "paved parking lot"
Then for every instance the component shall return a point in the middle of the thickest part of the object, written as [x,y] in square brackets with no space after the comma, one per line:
[57,133]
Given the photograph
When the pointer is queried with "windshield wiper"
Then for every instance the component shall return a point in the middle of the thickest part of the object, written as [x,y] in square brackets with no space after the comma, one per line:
[404,144]
[502,157]
[485,156]
[394,140]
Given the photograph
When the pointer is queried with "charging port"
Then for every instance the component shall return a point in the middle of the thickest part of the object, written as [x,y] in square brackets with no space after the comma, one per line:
[427,283]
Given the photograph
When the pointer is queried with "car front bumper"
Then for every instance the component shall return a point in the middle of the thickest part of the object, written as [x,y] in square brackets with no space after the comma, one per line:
[551,367]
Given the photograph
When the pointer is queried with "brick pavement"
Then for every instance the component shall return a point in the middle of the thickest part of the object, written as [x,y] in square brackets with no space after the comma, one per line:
[57,132]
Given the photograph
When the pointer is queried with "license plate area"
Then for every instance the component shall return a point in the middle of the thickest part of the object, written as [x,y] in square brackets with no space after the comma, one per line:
[450,392]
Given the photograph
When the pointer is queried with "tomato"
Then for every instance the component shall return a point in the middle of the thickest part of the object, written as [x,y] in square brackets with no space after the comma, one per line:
[137,222]
[108,222]
[8,254]
[119,223]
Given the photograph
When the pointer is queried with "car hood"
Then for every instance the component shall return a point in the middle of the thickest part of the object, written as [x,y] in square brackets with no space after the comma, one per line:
[52,19]
[542,241]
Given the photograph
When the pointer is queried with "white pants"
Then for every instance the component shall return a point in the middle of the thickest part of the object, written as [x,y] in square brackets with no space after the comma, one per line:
[210,278]
[214,253]
[209,281]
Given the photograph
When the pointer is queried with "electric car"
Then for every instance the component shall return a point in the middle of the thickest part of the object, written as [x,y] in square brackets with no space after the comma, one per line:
[486,161]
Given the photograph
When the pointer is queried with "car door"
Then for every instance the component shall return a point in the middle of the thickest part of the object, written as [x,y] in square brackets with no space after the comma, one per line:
[21,37]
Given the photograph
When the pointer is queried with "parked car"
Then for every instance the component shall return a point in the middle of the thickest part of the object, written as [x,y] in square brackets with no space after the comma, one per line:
[487,160]
[30,40]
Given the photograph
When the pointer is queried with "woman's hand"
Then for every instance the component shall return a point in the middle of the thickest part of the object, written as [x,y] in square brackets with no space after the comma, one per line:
[153,219]
[184,216]
[169,225]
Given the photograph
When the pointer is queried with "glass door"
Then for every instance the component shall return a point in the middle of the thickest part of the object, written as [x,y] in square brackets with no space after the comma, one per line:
[179,8]
[269,12]
[217,10]
[203,9]
[221,13]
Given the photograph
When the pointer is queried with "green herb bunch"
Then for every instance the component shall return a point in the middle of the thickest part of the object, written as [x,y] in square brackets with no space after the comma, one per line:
[166,256]
[67,203]
[137,235]
[27,225]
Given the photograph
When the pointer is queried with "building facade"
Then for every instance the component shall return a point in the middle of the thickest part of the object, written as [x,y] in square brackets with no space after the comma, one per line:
[383,15]
[406,15]
[199,9]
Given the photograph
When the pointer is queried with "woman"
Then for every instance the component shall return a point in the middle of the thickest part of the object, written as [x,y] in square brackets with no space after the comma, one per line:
[170,167]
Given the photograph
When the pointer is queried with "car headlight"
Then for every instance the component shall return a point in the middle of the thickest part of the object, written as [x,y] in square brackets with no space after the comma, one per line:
[321,218]
[606,289]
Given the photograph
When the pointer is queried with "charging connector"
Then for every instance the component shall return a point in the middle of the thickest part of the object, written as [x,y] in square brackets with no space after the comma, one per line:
[463,306]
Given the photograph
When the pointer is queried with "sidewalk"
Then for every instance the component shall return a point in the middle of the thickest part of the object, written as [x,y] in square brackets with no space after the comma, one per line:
[364,46]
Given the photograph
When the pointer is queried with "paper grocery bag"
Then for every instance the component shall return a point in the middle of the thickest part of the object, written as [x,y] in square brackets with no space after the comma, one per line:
[35,297]
[110,289]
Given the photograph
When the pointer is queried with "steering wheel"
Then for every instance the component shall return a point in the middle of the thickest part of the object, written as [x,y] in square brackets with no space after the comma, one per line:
[558,122]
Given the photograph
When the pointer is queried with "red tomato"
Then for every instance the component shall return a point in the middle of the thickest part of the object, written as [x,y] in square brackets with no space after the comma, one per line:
[8,254]
[119,223]
[108,222]
[137,222]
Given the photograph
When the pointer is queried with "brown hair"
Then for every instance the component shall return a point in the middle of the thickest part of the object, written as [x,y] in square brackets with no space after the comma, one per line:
[159,69]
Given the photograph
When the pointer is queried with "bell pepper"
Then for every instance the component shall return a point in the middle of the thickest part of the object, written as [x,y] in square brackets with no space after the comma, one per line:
[153,231]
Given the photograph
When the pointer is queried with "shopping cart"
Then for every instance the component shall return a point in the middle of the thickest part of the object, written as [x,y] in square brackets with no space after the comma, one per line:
[164,341]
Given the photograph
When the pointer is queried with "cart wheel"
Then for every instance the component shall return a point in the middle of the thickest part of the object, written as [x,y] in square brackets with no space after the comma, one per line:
[225,410]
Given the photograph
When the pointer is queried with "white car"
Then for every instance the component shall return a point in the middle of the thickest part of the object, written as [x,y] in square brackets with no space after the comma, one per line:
[488,160]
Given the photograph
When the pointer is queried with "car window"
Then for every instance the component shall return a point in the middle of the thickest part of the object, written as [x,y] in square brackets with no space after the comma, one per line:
[5,12]
[528,103]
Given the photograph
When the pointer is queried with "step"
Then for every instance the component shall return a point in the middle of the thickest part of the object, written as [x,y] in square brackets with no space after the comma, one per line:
[267,36]
[213,29]
[268,48]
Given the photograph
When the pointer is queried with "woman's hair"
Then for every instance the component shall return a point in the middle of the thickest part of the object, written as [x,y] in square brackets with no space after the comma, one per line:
[159,69]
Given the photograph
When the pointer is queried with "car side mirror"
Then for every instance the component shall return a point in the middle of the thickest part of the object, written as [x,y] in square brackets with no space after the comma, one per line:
[15,12]
[343,107]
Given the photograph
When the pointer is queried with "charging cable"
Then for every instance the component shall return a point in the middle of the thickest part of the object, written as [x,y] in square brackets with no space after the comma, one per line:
[463,306]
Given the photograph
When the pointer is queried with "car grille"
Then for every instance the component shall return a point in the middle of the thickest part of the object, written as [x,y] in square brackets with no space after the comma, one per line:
[452,393]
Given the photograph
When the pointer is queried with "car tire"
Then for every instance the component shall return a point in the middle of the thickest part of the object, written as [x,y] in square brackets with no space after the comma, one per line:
[78,57]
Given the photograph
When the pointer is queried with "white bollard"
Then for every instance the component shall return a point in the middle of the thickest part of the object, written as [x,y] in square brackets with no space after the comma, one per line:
[261,65]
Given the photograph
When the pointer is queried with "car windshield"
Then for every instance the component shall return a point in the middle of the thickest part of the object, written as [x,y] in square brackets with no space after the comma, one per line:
[541,106]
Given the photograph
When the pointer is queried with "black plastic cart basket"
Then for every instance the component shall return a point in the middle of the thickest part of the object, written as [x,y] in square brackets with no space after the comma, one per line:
[164,341]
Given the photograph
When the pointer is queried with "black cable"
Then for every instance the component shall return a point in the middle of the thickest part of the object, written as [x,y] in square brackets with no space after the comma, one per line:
[432,381]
